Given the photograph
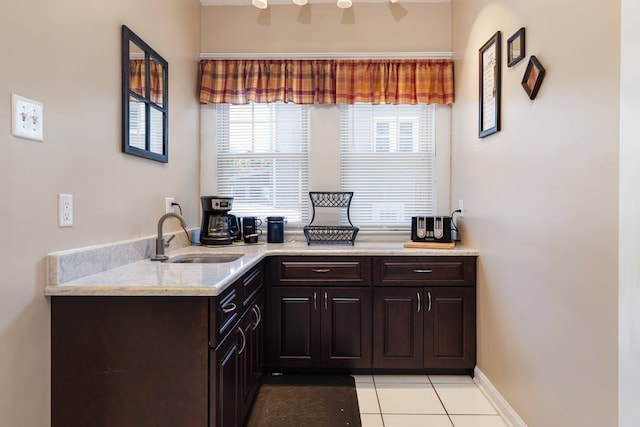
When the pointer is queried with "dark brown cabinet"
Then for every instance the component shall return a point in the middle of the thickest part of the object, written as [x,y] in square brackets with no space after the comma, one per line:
[424,313]
[225,379]
[197,361]
[450,328]
[236,369]
[236,363]
[129,361]
[320,313]
[398,325]
[157,361]
[320,327]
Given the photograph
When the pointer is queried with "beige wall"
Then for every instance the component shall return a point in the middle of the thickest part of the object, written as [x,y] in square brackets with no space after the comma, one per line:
[541,205]
[629,295]
[66,54]
[366,27]
[533,193]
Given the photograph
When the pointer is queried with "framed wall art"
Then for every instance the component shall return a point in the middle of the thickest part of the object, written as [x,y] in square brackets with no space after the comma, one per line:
[533,76]
[515,48]
[490,82]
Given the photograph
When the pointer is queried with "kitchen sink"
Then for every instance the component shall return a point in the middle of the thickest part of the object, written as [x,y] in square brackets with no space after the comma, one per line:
[204,258]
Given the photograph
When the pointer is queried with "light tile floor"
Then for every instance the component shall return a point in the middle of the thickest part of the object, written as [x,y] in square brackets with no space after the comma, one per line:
[424,401]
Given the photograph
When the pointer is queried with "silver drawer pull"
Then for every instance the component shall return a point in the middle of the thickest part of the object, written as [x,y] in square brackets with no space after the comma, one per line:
[321,270]
[244,341]
[229,308]
[417,270]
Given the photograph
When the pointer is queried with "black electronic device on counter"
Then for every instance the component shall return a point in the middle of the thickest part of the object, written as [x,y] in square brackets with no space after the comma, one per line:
[431,229]
[218,226]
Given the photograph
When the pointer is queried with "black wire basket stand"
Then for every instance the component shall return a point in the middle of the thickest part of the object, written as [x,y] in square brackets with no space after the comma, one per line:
[330,234]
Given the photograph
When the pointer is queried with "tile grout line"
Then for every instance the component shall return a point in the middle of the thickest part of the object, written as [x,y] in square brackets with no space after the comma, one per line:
[441,402]
[375,388]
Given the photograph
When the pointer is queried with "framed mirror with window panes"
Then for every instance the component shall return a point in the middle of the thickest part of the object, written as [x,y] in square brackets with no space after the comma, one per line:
[145,105]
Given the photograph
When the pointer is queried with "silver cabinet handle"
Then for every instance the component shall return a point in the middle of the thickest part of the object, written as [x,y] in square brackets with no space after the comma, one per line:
[419,301]
[418,270]
[244,341]
[429,295]
[315,301]
[321,270]
[255,324]
[259,313]
[325,302]
[229,308]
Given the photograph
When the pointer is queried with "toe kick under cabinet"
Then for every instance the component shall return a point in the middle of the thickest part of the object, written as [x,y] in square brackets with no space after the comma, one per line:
[358,314]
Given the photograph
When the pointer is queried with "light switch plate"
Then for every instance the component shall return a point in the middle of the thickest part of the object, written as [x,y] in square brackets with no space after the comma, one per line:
[26,118]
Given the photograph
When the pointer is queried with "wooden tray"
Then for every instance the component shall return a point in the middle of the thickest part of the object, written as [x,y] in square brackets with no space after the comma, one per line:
[430,245]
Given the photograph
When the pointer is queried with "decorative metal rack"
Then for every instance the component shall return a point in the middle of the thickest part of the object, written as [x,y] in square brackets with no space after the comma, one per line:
[330,233]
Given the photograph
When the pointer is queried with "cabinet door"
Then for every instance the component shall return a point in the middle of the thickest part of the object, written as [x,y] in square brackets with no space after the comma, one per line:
[450,333]
[346,327]
[397,326]
[225,383]
[251,356]
[295,327]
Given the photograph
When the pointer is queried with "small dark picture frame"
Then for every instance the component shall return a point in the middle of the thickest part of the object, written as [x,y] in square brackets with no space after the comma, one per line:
[515,48]
[533,77]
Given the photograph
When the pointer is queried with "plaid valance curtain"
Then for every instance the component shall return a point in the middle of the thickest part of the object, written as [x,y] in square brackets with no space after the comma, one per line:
[137,79]
[339,81]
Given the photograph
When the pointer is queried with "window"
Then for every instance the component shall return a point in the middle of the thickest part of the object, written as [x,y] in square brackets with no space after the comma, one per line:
[263,159]
[387,158]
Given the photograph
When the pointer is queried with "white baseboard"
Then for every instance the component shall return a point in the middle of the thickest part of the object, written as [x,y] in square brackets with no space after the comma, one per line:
[507,412]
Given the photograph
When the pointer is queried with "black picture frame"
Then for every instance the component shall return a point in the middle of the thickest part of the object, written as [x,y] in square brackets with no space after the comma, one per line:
[490,64]
[533,76]
[516,51]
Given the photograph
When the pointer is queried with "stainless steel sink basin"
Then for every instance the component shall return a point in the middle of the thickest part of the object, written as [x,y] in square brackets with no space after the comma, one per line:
[204,258]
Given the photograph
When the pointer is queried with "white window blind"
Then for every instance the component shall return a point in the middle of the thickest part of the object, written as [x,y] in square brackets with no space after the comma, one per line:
[138,130]
[263,159]
[387,158]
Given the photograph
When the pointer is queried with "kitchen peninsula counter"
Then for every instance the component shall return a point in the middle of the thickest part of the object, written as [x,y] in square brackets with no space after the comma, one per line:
[124,269]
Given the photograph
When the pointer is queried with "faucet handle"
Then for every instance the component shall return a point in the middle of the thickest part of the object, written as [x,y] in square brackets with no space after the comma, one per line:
[166,244]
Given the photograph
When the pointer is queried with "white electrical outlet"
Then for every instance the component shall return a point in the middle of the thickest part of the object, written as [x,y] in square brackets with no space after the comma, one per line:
[461,207]
[168,204]
[65,210]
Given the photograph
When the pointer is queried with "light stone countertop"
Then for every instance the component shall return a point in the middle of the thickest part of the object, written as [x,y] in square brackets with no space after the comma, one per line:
[124,269]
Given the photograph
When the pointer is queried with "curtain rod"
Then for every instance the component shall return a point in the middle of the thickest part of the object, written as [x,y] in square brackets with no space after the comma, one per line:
[331,55]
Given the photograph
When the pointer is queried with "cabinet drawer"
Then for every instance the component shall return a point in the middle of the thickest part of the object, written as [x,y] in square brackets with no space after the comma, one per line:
[325,271]
[419,271]
[251,285]
[224,313]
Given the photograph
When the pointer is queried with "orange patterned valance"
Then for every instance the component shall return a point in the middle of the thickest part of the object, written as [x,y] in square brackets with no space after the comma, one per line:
[428,81]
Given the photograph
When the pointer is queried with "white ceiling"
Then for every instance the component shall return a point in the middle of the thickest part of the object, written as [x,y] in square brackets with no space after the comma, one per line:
[248,2]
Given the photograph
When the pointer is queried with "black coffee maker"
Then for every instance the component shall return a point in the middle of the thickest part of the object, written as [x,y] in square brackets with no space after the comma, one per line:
[218,226]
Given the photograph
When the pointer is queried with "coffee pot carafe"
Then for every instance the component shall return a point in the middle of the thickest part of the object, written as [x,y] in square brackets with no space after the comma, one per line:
[218,226]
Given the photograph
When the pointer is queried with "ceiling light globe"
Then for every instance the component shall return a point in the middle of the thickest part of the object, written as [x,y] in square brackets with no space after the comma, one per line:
[260,4]
[344,4]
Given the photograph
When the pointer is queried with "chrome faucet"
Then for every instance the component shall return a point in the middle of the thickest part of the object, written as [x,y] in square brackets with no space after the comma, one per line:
[160,243]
